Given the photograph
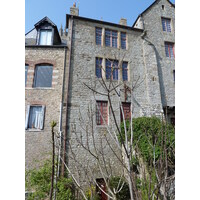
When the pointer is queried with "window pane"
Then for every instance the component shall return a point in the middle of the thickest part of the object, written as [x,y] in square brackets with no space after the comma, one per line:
[99,67]
[35,117]
[43,76]
[108,37]
[166,24]
[101,112]
[114,39]
[45,37]
[123,40]
[108,69]
[26,72]
[115,70]
[98,36]
[125,71]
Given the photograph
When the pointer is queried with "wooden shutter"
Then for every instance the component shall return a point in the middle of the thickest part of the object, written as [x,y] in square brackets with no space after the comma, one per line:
[42,120]
[27,116]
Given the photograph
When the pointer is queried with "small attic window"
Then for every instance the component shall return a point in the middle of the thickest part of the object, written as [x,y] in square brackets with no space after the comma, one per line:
[163,7]
[45,37]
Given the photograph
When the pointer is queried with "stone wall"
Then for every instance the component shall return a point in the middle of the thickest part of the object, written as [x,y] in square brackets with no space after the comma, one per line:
[155,33]
[142,70]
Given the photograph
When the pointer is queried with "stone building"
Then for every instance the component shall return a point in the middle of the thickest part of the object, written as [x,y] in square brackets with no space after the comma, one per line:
[45,82]
[140,55]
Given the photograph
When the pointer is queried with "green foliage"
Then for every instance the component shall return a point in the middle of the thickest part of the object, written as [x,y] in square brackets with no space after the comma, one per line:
[39,181]
[91,193]
[66,189]
[124,193]
[148,131]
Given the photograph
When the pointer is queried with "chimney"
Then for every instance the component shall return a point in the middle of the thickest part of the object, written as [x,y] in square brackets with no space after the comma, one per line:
[123,21]
[74,10]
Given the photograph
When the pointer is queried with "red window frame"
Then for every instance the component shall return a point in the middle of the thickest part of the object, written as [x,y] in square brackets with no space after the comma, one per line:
[127,111]
[168,46]
[101,112]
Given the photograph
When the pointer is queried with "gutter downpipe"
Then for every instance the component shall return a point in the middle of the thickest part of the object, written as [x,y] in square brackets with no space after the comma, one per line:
[67,97]
[60,123]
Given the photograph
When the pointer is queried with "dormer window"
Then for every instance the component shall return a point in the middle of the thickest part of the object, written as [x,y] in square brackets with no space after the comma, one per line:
[45,37]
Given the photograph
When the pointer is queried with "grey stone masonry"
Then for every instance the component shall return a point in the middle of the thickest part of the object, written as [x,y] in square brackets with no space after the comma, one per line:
[142,71]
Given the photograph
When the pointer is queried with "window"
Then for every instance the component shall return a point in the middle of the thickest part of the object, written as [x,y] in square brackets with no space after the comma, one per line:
[174,75]
[123,40]
[111,38]
[112,69]
[43,76]
[99,67]
[166,24]
[26,72]
[45,37]
[98,36]
[125,71]
[127,111]
[102,112]
[101,192]
[169,50]
[163,7]
[35,117]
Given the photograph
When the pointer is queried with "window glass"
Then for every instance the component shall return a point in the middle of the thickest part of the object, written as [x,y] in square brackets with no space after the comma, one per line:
[98,36]
[166,24]
[99,67]
[101,112]
[112,69]
[43,76]
[35,117]
[45,37]
[123,40]
[125,71]
[169,50]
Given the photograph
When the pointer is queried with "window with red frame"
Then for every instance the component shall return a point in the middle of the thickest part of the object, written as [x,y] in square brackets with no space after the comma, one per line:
[102,112]
[169,50]
[127,111]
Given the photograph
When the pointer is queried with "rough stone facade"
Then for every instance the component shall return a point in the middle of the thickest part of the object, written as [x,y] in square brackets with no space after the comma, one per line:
[147,66]
[151,22]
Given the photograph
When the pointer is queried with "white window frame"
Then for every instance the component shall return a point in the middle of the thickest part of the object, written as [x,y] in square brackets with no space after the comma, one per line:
[41,123]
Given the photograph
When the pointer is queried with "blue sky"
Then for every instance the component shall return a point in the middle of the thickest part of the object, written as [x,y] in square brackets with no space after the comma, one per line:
[106,10]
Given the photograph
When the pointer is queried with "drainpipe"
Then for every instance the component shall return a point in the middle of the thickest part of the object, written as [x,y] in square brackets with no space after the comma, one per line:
[67,89]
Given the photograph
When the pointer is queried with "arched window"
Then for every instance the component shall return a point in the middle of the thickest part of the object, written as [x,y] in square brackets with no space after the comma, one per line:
[43,75]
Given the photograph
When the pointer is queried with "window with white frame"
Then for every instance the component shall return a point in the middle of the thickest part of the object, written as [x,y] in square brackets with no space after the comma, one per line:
[43,75]
[35,117]
[45,37]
